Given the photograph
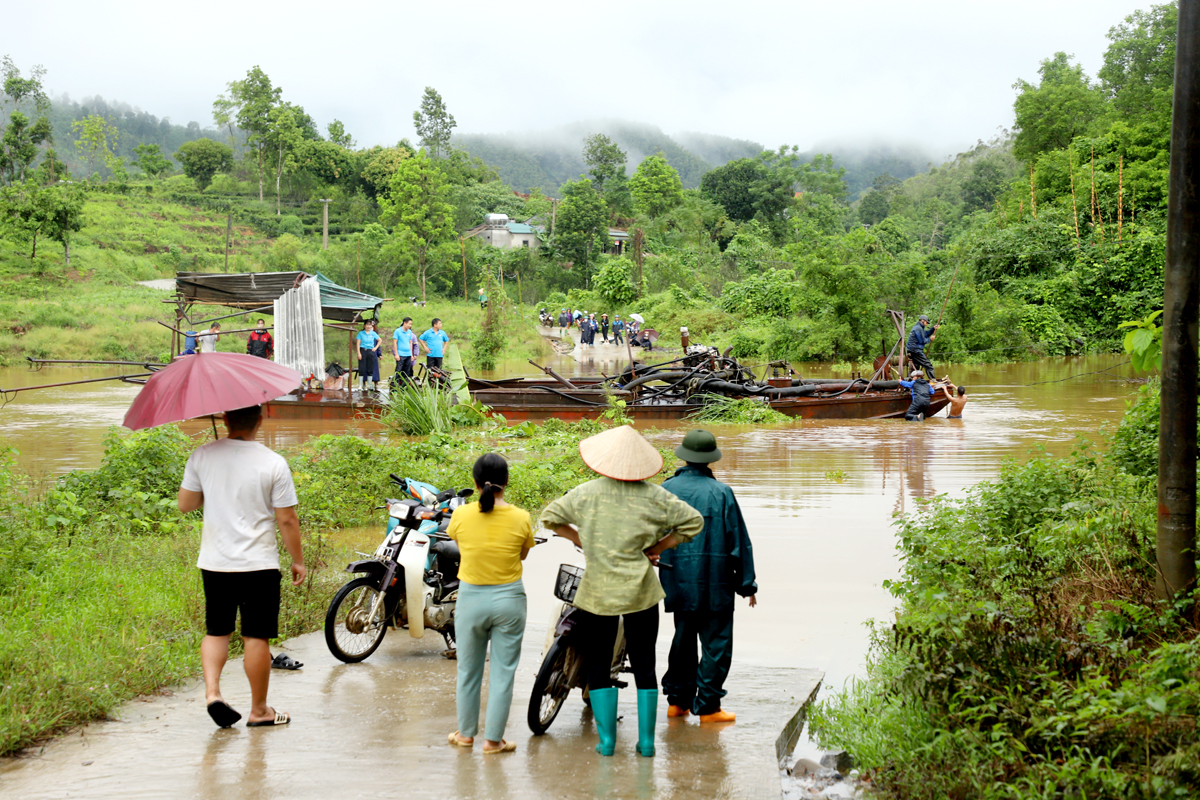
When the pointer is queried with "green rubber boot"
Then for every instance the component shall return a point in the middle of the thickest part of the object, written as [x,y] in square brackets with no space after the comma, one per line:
[647,700]
[604,711]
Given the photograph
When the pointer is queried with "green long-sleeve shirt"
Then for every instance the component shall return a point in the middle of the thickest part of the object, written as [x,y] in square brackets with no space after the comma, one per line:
[617,521]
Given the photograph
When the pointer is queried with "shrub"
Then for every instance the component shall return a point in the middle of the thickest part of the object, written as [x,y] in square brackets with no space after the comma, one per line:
[1135,443]
[614,282]
[291,224]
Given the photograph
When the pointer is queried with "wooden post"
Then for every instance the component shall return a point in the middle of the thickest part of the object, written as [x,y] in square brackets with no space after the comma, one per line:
[228,236]
[1032,191]
[1120,195]
[1175,541]
[462,243]
[1074,207]
[325,224]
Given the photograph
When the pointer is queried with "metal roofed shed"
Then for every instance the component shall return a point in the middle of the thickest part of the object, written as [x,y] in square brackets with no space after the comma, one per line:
[258,289]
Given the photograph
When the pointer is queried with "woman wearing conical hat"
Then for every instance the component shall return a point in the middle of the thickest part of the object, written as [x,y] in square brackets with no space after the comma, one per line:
[623,523]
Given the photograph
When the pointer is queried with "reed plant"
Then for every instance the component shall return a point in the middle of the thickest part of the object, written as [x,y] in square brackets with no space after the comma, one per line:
[740,411]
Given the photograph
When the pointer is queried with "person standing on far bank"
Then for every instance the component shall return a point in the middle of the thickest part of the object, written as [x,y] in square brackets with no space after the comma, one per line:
[494,538]
[706,573]
[246,490]
[918,338]
[261,343]
[434,341]
[403,343]
[368,354]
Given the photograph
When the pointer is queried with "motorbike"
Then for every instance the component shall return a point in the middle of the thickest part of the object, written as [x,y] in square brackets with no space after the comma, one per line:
[544,317]
[411,581]
[562,656]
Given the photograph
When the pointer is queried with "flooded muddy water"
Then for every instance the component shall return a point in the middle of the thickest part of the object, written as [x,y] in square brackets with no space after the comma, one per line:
[820,498]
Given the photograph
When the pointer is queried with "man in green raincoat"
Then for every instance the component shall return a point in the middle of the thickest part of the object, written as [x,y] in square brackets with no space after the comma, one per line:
[706,573]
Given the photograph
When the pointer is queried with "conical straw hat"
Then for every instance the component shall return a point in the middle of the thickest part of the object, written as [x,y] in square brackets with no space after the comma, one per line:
[621,453]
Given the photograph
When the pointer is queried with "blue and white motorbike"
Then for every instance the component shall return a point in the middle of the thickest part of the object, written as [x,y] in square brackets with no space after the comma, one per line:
[410,582]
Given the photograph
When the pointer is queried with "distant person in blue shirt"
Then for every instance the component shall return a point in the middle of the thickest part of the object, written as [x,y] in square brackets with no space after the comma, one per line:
[368,354]
[434,340]
[918,337]
[922,394]
[403,345]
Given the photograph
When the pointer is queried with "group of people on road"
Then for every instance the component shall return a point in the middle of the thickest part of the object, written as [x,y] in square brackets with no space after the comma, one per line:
[610,332]
[624,524]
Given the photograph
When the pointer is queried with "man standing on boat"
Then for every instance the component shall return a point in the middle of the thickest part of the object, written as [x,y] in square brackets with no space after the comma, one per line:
[403,340]
[368,354]
[434,340]
[918,338]
[706,574]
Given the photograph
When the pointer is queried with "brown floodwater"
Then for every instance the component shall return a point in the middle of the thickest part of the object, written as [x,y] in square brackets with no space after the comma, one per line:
[820,498]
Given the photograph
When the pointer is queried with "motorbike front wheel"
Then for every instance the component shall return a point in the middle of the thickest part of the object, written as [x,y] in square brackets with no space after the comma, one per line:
[351,632]
[550,688]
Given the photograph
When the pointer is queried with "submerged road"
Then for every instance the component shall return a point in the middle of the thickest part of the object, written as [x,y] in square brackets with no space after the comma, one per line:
[379,728]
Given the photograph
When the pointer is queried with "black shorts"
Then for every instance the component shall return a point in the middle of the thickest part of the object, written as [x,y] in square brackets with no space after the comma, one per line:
[254,594]
[433,361]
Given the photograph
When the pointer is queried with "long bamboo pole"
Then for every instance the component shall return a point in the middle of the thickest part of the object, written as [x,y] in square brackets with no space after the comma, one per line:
[1120,195]
[1074,206]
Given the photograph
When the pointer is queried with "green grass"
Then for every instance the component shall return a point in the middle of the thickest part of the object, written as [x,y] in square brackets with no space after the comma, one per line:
[98,581]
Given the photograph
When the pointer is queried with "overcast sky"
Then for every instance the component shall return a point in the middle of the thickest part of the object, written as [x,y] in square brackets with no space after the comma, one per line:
[934,72]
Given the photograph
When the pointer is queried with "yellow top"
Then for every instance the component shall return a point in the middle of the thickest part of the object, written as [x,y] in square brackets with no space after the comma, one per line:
[493,545]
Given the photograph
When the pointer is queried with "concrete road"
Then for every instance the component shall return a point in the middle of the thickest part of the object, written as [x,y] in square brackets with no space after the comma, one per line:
[378,730]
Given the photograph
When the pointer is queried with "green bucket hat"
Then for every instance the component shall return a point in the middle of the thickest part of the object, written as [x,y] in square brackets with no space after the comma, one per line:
[699,447]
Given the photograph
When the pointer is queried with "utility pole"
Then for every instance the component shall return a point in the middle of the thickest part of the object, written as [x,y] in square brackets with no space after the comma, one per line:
[1175,542]
[325,223]
[228,235]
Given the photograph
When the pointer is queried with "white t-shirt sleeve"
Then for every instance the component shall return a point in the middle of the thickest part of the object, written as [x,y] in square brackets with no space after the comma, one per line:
[191,480]
[283,490]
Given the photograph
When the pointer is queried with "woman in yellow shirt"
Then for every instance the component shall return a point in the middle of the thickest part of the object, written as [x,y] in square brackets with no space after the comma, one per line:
[494,537]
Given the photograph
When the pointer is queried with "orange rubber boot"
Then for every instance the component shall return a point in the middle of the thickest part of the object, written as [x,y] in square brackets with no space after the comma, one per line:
[720,715]
[677,711]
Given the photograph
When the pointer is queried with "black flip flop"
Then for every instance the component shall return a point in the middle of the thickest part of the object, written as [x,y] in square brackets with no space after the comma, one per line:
[284,661]
[222,714]
[280,719]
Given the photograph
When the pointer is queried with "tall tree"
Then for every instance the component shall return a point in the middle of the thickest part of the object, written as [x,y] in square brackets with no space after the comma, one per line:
[95,141]
[20,134]
[655,186]
[1062,106]
[284,135]
[248,103]
[434,124]
[203,158]
[30,212]
[19,146]
[416,206]
[338,135]
[605,160]
[582,226]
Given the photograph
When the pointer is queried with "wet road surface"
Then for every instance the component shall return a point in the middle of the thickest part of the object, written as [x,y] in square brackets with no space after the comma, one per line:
[379,728]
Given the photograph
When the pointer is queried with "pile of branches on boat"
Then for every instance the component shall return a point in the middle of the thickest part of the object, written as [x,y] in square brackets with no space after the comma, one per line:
[705,371]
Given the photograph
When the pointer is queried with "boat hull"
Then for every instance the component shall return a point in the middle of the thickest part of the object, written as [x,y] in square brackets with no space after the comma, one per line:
[526,403]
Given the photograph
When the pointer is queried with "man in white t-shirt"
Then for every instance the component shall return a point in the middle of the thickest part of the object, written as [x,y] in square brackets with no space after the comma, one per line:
[208,339]
[246,490]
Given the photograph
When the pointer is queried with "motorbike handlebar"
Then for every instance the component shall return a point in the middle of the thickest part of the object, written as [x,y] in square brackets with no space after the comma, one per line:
[396,478]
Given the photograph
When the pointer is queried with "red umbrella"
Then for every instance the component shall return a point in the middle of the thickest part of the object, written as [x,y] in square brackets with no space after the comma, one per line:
[208,383]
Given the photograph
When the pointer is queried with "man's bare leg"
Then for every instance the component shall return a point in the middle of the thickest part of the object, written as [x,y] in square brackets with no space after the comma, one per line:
[258,670]
[214,652]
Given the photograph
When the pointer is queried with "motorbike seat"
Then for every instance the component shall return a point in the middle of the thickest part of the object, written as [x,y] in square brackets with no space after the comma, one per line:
[447,557]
